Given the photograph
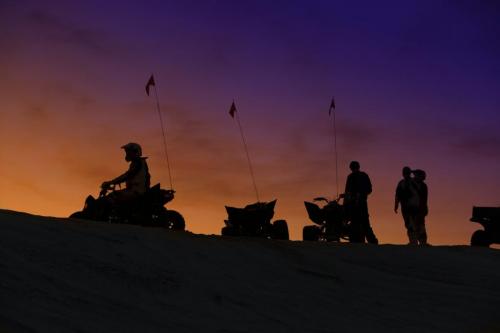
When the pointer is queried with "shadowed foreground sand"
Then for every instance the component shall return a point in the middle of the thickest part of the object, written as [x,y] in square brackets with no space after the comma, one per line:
[62,275]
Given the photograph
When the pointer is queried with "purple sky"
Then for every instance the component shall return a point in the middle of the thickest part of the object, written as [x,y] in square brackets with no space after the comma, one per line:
[416,83]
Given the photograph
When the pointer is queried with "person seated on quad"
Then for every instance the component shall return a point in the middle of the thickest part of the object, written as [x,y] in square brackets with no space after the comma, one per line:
[136,178]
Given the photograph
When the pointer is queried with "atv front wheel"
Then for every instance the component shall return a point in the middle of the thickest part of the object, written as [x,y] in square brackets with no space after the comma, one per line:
[228,231]
[77,215]
[280,230]
[480,238]
[311,233]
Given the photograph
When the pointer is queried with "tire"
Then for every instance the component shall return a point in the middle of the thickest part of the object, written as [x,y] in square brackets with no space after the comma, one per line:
[227,231]
[480,238]
[77,215]
[173,220]
[332,231]
[280,230]
[311,233]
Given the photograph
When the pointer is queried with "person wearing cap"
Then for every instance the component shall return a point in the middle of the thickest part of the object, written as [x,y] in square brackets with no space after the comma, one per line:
[423,209]
[407,195]
[136,178]
[358,187]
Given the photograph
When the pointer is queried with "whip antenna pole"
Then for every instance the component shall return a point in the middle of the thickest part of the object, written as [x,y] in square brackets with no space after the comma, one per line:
[152,82]
[334,125]
[232,112]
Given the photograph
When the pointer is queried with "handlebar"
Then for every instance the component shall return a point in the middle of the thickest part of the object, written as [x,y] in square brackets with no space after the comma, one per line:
[341,196]
[105,189]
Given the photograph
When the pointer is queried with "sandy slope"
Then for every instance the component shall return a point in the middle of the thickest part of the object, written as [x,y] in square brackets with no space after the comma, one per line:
[73,276]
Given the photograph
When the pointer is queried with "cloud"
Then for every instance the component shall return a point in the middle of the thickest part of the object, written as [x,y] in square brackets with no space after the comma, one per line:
[36,116]
[479,140]
[356,136]
[65,32]
[479,145]
[93,169]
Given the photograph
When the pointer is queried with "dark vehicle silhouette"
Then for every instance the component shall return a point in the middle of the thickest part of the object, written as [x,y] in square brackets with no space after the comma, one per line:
[332,221]
[489,218]
[147,210]
[255,221]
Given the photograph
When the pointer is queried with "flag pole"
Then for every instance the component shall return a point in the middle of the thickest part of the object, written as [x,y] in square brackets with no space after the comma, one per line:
[162,132]
[334,124]
[246,149]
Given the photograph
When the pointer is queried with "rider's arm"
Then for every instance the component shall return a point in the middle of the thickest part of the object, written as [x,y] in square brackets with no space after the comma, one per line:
[135,167]
[368,185]
[348,185]
[397,197]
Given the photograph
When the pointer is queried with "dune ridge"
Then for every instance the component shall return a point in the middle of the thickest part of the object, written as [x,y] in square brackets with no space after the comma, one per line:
[64,275]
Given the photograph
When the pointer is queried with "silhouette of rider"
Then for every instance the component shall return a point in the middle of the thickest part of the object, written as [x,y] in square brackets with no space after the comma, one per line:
[407,195]
[358,187]
[136,178]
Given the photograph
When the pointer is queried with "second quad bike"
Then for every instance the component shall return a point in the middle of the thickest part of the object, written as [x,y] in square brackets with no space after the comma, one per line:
[255,221]
[332,221]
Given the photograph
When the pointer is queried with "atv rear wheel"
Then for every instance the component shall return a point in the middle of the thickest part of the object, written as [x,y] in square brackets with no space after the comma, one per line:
[311,233]
[480,238]
[172,220]
[280,230]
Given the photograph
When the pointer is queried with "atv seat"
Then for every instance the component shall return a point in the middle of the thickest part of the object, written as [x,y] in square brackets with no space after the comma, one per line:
[257,213]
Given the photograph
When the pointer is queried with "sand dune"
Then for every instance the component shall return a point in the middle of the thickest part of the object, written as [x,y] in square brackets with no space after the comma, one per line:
[61,275]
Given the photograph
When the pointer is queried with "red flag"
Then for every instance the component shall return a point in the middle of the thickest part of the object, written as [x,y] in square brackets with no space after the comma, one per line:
[151,82]
[332,106]
[232,110]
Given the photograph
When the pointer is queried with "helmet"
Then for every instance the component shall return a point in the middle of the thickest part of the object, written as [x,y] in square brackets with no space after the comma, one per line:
[133,148]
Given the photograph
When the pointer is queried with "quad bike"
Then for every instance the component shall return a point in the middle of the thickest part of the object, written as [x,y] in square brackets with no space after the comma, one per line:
[255,221]
[146,210]
[489,218]
[332,221]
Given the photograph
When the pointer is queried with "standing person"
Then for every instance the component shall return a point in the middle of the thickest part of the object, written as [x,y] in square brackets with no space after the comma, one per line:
[407,196]
[423,209]
[357,188]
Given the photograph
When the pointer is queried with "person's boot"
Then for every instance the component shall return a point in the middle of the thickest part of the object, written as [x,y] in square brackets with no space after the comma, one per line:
[371,238]
[423,240]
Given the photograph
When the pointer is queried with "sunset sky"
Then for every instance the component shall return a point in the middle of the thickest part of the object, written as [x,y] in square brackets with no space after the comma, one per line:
[415,82]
